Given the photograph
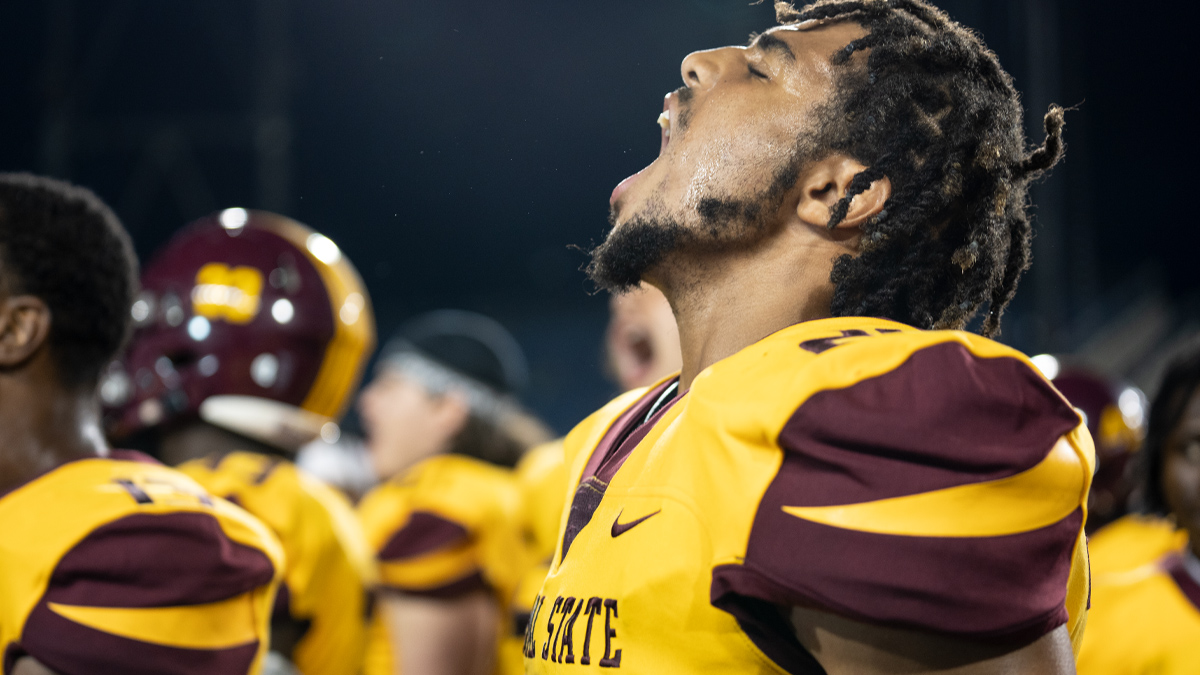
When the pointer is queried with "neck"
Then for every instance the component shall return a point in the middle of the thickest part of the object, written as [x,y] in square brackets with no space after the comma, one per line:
[725,301]
[43,426]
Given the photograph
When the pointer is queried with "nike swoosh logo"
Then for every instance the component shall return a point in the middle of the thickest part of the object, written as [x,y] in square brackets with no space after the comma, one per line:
[619,528]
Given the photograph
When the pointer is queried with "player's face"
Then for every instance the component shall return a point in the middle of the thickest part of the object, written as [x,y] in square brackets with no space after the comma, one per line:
[1181,470]
[404,423]
[744,118]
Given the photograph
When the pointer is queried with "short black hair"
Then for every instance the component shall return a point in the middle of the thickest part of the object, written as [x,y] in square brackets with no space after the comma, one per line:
[1179,384]
[60,243]
[936,113]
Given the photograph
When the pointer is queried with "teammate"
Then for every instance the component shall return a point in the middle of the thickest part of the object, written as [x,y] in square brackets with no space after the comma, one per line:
[1147,620]
[837,481]
[642,341]
[252,332]
[110,563]
[440,425]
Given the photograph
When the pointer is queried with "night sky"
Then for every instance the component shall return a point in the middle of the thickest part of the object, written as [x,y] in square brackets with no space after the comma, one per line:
[457,150]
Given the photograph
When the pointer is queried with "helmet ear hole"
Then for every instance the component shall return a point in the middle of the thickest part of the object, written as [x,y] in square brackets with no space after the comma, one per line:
[184,359]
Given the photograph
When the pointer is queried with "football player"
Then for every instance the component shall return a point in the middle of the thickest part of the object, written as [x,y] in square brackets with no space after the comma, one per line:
[1147,620]
[252,332]
[110,563]
[839,480]
[439,420]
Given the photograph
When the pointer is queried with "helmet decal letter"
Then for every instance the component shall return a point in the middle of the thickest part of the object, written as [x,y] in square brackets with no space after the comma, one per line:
[232,294]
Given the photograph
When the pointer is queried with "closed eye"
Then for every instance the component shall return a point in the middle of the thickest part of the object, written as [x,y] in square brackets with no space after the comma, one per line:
[757,73]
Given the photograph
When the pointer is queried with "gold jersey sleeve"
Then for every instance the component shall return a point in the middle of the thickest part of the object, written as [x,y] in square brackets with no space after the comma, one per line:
[330,570]
[111,566]
[1144,620]
[930,480]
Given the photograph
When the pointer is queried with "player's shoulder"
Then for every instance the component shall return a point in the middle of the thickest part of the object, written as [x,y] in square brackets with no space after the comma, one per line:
[841,352]
[1133,541]
[455,489]
[585,435]
[308,515]
[1150,610]
[132,553]
[541,463]
[867,377]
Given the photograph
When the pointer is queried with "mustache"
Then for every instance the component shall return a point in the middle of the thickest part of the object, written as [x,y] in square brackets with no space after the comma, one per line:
[683,103]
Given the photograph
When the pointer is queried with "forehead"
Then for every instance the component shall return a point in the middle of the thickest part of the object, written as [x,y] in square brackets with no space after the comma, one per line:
[810,40]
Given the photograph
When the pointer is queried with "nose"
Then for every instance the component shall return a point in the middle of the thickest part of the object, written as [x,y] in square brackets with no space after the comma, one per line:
[702,70]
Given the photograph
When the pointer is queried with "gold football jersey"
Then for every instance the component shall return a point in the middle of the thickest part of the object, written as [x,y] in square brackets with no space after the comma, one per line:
[330,570]
[1145,620]
[113,566]
[542,479]
[445,528]
[931,480]
[1133,541]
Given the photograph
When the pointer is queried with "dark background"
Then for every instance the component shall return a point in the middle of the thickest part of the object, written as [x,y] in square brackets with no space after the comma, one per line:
[457,149]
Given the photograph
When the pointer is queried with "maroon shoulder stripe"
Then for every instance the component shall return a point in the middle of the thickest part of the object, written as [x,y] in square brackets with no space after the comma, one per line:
[455,589]
[72,649]
[944,417]
[425,532]
[158,560]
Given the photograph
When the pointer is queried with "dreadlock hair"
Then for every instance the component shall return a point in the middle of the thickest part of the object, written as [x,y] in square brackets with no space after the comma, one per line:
[935,113]
[1181,382]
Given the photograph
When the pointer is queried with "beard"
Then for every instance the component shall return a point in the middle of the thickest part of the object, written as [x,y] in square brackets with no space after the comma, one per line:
[716,224]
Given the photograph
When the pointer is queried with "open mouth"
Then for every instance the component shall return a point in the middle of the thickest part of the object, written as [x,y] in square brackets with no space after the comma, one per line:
[665,119]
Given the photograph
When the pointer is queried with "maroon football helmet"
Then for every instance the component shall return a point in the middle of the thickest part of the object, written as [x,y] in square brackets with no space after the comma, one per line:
[1116,418]
[249,321]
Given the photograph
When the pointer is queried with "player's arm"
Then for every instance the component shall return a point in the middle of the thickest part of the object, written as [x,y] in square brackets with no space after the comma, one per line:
[443,636]
[845,646]
[30,666]
[441,613]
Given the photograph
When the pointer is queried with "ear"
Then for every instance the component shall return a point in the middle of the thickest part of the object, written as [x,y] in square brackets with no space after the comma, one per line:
[825,183]
[24,327]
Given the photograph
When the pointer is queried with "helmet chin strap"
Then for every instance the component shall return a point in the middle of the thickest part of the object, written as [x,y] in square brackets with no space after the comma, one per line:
[277,424]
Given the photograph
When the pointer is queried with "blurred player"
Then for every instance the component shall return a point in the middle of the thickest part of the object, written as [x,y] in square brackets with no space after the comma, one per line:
[867,493]
[641,347]
[252,333]
[110,563]
[440,421]
[1147,620]
[642,342]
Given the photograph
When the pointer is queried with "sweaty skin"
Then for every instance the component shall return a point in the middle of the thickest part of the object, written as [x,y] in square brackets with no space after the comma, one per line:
[746,107]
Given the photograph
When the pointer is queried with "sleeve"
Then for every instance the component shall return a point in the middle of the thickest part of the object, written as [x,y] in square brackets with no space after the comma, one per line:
[946,495]
[431,555]
[167,593]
